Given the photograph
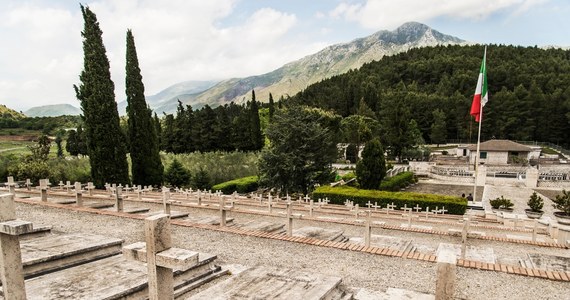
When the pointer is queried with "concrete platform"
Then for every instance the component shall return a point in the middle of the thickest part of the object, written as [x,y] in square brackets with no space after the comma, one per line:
[392,294]
[208,220]
[173,214]
[272,283]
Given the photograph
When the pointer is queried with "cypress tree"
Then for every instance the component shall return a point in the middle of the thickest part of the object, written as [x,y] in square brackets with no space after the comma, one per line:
[71,145]
[147,169]
[271,107]
[105,147]
[371,169]
[255,129]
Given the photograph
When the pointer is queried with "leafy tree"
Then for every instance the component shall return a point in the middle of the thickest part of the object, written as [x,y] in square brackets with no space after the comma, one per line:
[371,169]
[147,168]
[177,175]
[352,153]
[301,150]
[438,127]
[40,151]
[106,149]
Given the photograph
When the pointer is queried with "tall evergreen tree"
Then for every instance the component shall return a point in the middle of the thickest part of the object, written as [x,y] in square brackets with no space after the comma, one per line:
[438,128]
[71,145]
[372,168]
[147,169]
[271,107]
[255,131]
[107,152]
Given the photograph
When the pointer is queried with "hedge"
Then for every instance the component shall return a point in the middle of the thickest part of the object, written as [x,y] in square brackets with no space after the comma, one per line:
[398,182]
[338,195]
[240,185]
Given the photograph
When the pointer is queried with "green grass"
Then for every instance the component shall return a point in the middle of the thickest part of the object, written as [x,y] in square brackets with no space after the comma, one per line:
[550,151]
[19,131]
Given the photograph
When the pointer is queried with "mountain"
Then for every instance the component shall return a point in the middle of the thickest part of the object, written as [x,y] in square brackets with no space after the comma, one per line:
[333,60]
[53,111]
[167,99]
[8,113]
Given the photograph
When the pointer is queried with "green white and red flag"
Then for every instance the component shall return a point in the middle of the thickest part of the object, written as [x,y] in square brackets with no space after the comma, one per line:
[481,94]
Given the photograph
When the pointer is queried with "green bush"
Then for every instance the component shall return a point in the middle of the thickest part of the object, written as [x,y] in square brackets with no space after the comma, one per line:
[241,185]
[501,203]
[400,181]
[337,195]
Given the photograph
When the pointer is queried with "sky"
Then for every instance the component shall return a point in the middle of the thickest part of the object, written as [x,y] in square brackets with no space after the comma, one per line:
[41,53]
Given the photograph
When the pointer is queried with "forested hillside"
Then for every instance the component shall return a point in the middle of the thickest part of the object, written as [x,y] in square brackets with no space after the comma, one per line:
[529,93]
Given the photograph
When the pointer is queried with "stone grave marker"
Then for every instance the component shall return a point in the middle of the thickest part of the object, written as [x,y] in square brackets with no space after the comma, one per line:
[78,194]
[166,200]
[417,208]
[446,274]
[367,231]
[160,257]
[43,189]
[90,188]
[28,184]
[11,185]
[61,185]
[223,211]
[68,186]
[11,269]
[119,199]
[376,206]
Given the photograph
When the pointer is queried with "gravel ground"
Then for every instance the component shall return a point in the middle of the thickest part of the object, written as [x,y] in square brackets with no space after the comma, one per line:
[374,272]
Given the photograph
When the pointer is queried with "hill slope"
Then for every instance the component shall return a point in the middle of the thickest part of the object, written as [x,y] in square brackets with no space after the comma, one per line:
[332,60]
[53,111]
[8,113]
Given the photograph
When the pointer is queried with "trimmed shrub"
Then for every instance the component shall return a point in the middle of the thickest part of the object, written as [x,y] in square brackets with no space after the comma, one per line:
[501,203]
[337,195]
[400,181]
[240,185]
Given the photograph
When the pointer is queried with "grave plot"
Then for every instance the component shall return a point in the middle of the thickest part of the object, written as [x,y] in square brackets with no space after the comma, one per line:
[209,220]
[546,262]
[262,226]
[48,253]
[391,242]
[272,283]
[482,254]
[321,233]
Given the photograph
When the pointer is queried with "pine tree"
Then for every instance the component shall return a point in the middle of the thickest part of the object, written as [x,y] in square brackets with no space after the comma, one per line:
[255,131]
[107,152]
[177,175]
[147,169]
[371,169]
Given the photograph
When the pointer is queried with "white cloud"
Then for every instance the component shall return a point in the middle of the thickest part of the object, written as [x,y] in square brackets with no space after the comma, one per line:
[176,40]
[376,14]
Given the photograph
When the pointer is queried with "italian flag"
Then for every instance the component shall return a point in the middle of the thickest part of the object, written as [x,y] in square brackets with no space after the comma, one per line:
[481,95]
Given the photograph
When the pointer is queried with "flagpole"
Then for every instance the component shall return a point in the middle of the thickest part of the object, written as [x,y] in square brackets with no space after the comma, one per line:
[479,136]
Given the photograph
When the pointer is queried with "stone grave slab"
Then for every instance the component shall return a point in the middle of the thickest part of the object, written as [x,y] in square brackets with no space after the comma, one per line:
[115,277]
[207,220]
[320,233]
[54,252]
[173,214]
[325,218]
[130,209]
[482,254]
[271,283]
[65,201]
[384,241]
[550,262]
[392,294]
[263,226]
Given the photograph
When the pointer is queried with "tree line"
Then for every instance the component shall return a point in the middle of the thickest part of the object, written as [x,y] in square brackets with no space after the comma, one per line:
[529,94]
[224,128]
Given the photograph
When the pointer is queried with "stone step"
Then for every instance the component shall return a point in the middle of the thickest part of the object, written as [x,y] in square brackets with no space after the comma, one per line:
[49,253]
[320,233]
